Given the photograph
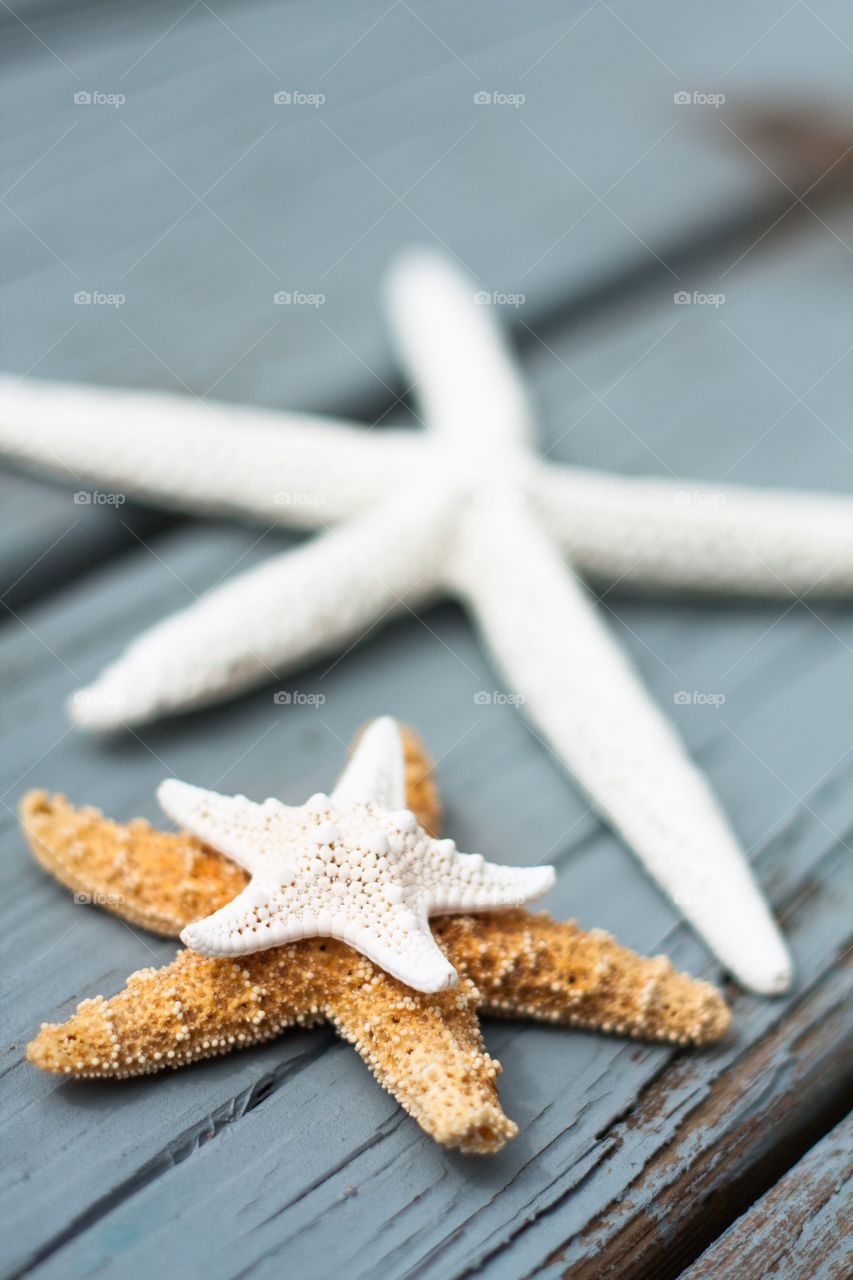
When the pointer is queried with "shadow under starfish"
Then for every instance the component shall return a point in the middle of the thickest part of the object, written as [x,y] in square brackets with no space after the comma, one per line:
[426,1050]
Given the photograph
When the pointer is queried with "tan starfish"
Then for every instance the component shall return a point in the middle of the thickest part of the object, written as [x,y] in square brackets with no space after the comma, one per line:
[426,1050]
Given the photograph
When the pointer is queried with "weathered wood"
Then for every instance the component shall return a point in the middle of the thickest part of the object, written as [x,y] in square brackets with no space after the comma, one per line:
[290,1155]
[502,794]
[802,1227]
[729,1144]
[261,1190]
[96,1168]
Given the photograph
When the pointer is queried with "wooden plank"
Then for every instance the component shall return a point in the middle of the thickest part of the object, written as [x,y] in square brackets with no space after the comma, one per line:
[91,188]
[803,1226]
[269,1188]
[121,1147]
[725,1145]
[55,533]
[96,1173]
[514,193]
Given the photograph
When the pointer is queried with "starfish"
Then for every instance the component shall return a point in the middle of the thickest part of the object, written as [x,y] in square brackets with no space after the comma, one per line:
[468,508]
[425,1049]
[355,865]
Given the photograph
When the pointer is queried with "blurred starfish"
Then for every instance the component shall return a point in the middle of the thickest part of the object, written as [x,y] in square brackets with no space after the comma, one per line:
[426,1050]
[467,508]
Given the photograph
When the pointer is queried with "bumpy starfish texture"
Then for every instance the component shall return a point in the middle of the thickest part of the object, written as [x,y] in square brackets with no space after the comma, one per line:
[467,508]
[425,1049]
[354,865]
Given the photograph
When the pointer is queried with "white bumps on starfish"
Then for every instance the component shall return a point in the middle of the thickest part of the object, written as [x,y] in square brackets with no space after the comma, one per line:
[468,508]
[354,865]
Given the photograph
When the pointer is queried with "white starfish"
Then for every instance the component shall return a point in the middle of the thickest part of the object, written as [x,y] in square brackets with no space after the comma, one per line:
[466,507]
[354,865]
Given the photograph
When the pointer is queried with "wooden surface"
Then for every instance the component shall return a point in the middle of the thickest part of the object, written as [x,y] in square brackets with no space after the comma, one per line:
[632,1161]
[788,1228]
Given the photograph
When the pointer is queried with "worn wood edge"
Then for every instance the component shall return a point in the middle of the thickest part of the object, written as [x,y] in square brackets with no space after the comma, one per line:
[693,1189]
[802,1226]
[783,837]
[607,1141]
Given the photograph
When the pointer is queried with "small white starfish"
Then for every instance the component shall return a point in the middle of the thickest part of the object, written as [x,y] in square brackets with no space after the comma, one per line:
[468,508]
[354,865]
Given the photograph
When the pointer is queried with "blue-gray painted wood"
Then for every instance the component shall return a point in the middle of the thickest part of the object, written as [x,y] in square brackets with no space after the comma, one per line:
[290,1156]
[778,752]
[803,1227]
[104,198]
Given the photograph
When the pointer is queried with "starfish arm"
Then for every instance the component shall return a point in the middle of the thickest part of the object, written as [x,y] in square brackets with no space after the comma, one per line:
[161,880]
[296,606]
[557,655]
[427,1051]
[422,794]
[246,920]
[530,966]
[376,770]
[523,964]
[234,825]
[683,534]
[193,1008]
[467,385]
[466,882]
[288,468]
[406,950]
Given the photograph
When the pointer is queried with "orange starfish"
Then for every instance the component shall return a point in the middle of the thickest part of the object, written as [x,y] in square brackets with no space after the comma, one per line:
[426,1050]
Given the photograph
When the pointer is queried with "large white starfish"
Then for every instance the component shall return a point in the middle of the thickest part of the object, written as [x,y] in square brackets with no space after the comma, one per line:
[354,865]
[466,507]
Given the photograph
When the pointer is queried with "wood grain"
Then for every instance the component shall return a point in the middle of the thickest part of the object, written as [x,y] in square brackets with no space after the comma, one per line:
[802,1226]
[630,1159]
